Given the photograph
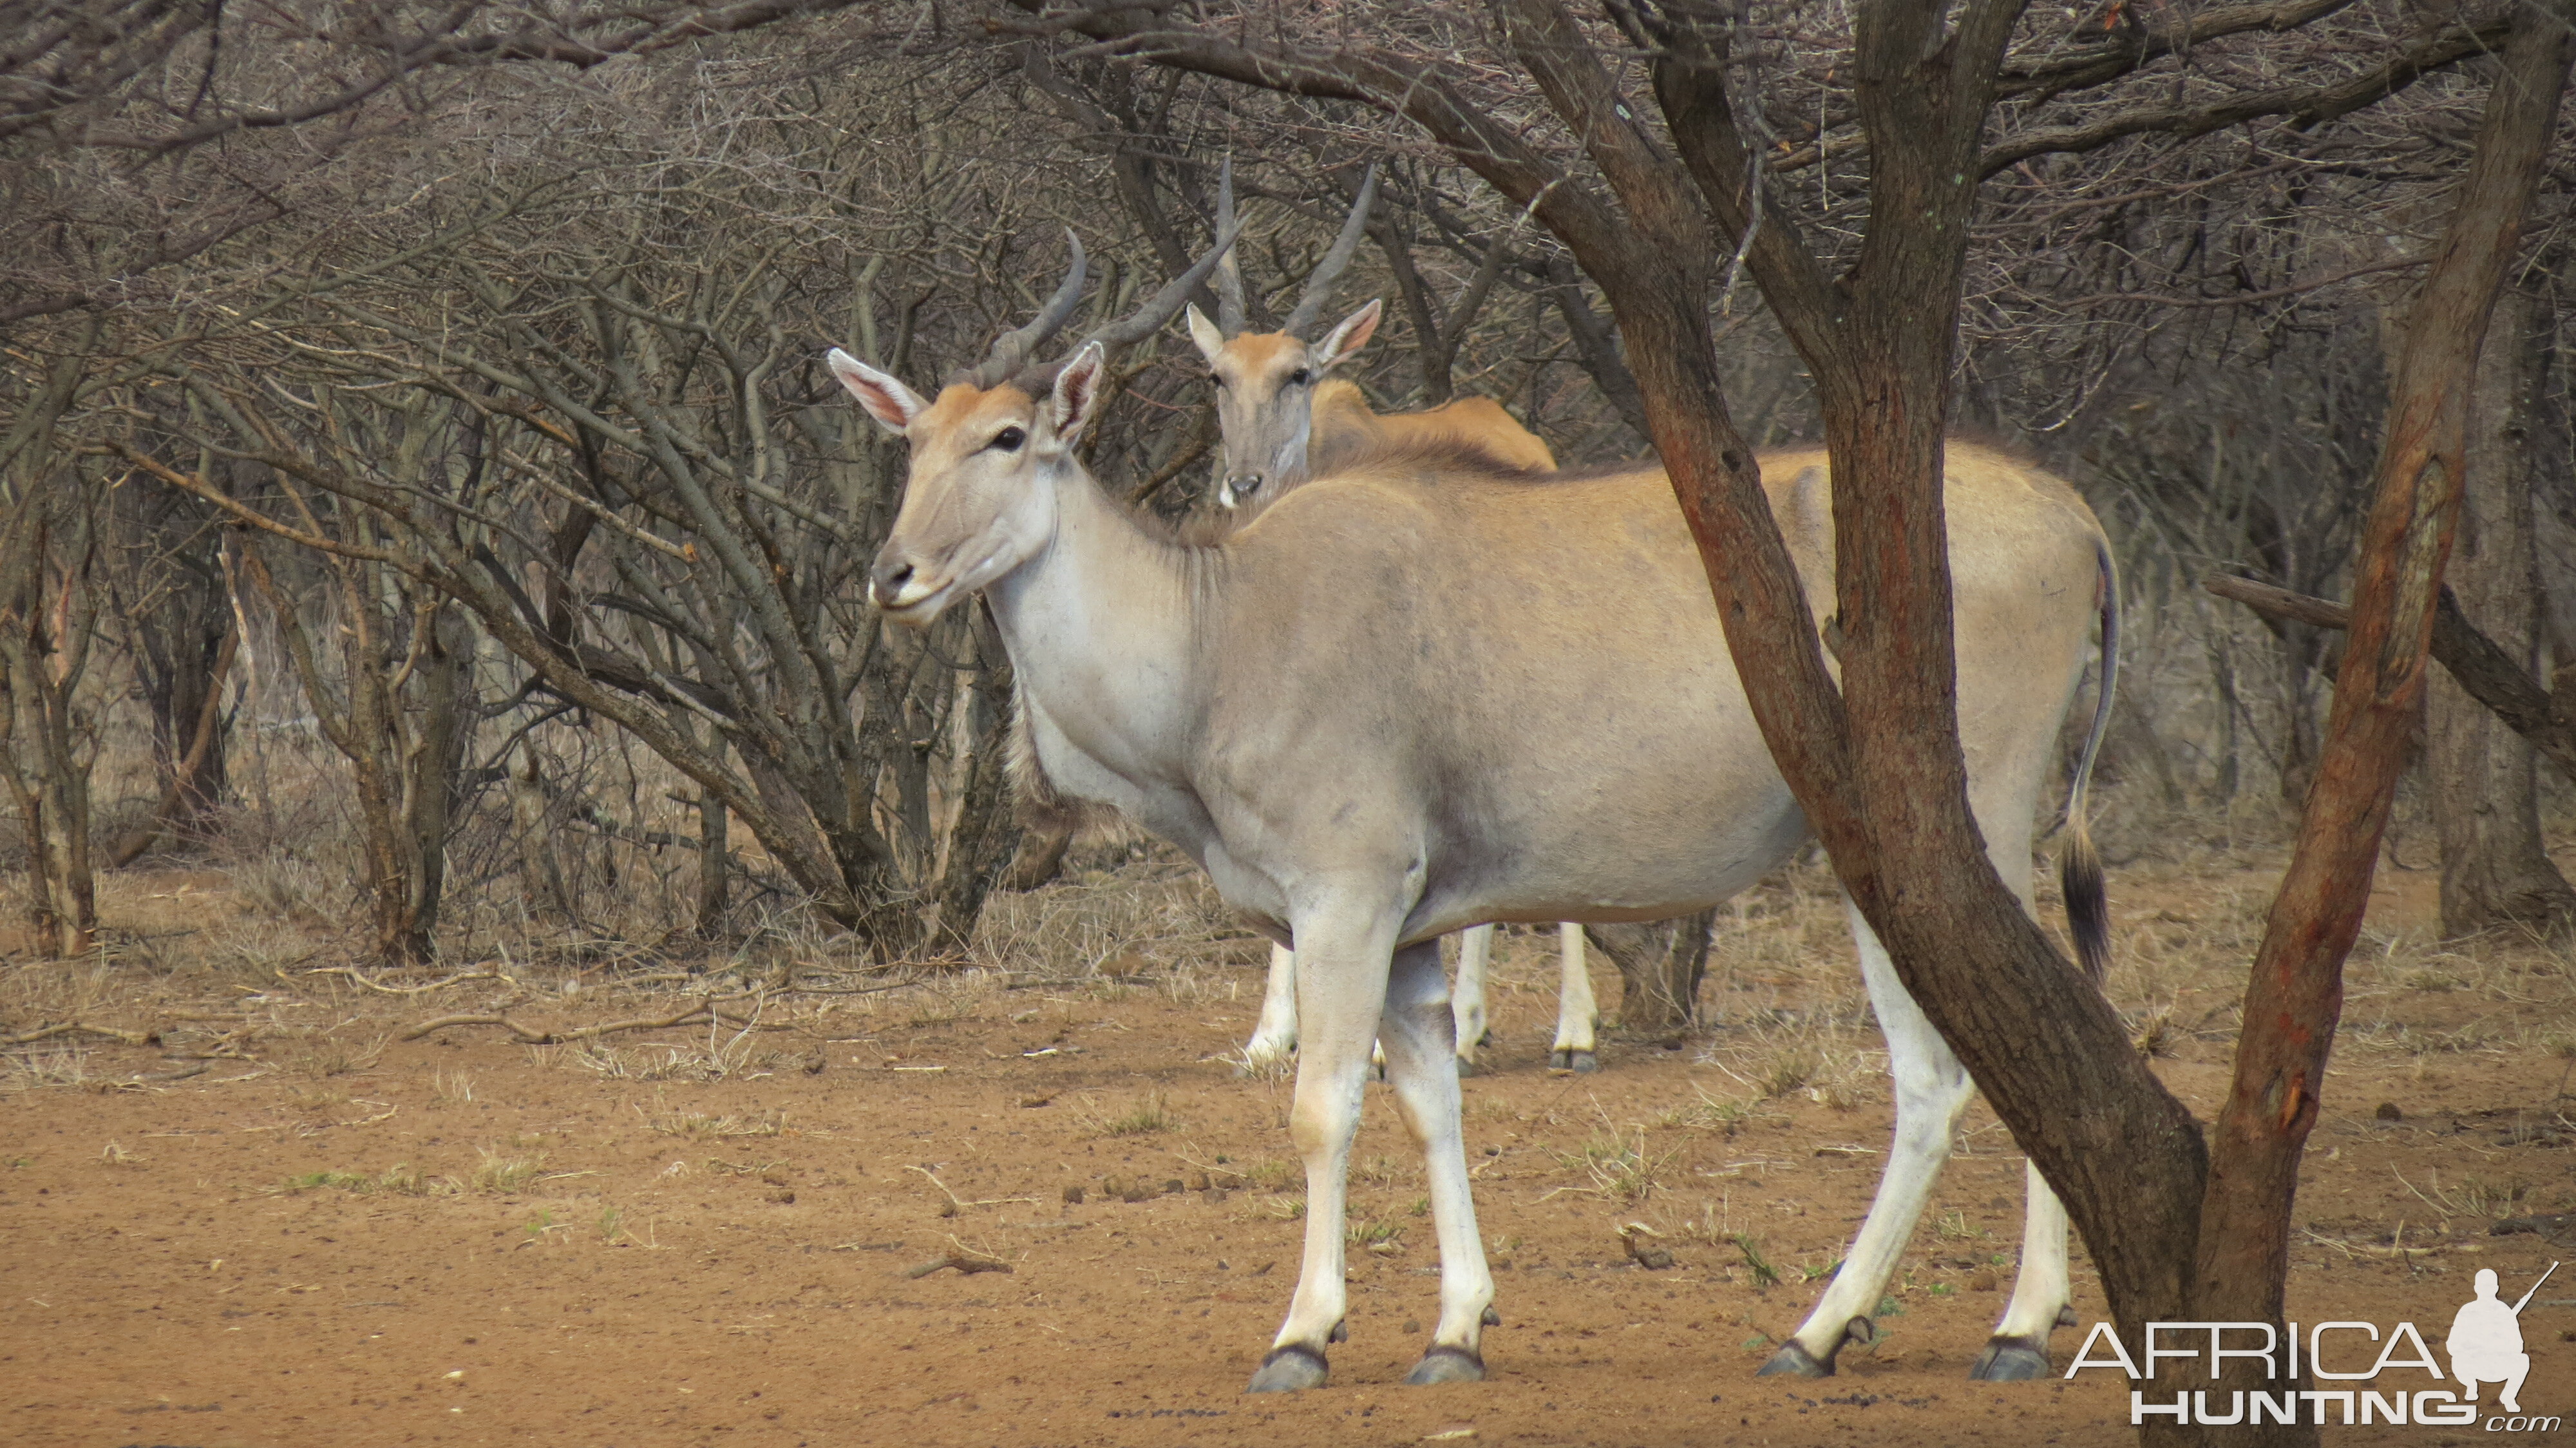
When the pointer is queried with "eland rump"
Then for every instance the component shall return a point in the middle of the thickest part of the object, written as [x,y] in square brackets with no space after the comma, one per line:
[1423,694]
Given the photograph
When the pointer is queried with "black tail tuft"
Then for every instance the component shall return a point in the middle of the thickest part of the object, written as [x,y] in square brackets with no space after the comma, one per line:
[2088,905]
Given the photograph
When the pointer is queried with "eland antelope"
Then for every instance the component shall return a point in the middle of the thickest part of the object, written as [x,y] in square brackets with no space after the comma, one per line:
[1277,413]
[1420,695]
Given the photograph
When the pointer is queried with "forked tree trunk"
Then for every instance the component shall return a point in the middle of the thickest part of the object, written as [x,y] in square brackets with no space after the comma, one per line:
[399,714]
[47,624]
[2295,995]
[191,759]
[2481,776]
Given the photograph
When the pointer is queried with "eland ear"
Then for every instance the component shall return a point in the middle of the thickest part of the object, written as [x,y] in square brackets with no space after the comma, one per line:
[1209,337]
[1077,392]
[1350,336]
[892,404]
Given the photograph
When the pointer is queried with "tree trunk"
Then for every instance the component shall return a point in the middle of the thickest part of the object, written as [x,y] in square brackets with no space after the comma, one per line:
[191,762]
[1661,963]
[2295,995]
[430,766]
[714,865]
[168,578]
[2496,871]
[981,832]
[47,625]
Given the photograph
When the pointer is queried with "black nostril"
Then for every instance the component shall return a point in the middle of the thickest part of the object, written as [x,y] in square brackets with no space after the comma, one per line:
[888,578]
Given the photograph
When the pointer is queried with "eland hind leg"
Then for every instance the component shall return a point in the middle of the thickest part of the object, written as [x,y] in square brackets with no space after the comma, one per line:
[1577,1013]
[2042,1298]
[1415,1031]
[1275,1035]
[1932,1090]
[1475,962]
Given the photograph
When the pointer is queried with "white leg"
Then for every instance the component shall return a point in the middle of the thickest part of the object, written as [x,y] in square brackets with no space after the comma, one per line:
[2041,1292]
[1932,1089]
[1475,960]
[1276,1034]
[1576,1012]
[1417,1035]
[1341,992]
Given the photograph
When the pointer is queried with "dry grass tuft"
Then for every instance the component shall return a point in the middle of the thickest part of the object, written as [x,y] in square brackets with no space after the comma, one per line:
[700,1126]
[1147,1117]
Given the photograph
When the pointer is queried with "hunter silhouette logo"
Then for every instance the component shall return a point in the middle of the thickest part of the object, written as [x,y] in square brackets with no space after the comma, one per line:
[2484,1346]
[2486,1342]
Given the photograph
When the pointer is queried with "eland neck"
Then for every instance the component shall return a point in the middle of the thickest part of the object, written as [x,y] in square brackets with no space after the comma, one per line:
[1099,624]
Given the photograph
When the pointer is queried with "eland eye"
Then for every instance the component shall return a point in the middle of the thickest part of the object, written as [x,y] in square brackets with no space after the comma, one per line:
[1300,377]
[1009,439]
[1217,377]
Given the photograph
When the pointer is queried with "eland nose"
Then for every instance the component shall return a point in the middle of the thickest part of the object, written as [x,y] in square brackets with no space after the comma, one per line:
[1240,486]
[890,582]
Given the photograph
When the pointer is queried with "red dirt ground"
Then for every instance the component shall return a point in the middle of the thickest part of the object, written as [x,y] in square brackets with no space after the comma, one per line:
[462,1240]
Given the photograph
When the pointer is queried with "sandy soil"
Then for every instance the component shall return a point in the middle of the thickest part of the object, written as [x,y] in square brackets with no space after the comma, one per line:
[677,1237]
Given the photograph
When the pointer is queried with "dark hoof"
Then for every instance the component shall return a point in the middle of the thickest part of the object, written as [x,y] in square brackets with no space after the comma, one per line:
[1290,1369]
[1793,1361]
[1493,1318]
[1446,1365]
[1466,1068]
[1341,1331]
[1583,1062]
[2009,1360]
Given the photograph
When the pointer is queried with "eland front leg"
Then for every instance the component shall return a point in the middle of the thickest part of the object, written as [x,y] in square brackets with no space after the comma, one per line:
[1342,971]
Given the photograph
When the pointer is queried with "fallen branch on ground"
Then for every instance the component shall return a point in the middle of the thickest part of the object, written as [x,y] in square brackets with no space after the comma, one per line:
[66,1028]
[361,978]
[696,1012]
[963,1259]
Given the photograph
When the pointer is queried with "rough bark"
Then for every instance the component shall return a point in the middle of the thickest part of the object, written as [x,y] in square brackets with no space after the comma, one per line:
[2295,995]
[47,625]
[46,629]
[2482,783]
